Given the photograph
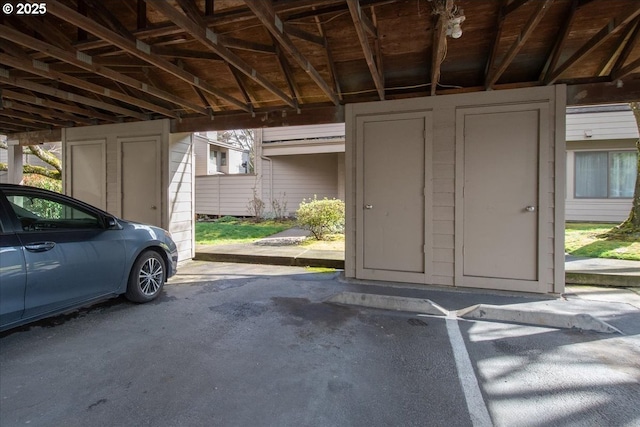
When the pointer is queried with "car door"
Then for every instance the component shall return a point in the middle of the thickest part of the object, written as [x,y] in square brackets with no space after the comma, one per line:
[13,277]
[70,256]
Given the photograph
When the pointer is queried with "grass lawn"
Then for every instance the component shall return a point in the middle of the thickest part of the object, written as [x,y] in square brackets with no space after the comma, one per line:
[581,240]
[237,231]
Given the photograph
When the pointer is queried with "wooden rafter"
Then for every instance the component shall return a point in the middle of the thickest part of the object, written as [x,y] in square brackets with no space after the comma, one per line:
[86,62]
[561,40]
[209,39]
[614,25]
[267,16]
[43,70]
[439,46]
[493,53]
[616,72]
[34,118]
[46,112]
[377,44]
[5,77]
[495,73]
[141,15]
[243,88]
[137,48]
[71,108]
[356,16]
[28,125]
[295,31]
[623,42]
[110,21]
[288,74]
[332,66]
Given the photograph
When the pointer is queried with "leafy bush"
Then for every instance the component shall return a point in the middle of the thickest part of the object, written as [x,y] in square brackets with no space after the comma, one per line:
[35,180]
[321,217]
[227,218]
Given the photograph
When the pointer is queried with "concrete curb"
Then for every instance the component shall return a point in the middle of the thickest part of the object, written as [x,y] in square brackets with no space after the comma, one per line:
[387,302]
[508,314]
[270,259]
[536,317]
[617,280]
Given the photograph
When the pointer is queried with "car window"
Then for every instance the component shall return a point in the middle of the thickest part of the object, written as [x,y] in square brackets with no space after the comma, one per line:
[37,213]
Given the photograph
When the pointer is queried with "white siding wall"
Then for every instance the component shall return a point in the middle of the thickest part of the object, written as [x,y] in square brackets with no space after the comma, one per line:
[602,126]
[225,194]
[181,194]
[301,177]
[290,133]
[202,156]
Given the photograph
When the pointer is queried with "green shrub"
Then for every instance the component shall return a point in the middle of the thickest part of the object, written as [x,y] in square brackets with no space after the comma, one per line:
[44,182]
[321,217]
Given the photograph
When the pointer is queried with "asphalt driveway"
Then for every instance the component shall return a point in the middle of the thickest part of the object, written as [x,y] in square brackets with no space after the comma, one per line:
[239,344]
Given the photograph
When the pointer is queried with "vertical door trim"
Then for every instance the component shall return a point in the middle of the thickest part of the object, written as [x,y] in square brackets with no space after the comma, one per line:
[370,274]
[545,218]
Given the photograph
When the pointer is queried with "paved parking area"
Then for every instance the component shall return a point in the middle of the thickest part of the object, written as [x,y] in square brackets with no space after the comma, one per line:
[241,344]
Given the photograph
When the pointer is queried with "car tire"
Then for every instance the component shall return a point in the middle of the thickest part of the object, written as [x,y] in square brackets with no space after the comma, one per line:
[147,277]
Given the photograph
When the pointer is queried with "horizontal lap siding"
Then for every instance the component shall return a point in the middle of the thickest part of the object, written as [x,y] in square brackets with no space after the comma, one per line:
[224,194]
[607,125]
[292,133]
[301,177]
[597,210]
[444,172]
[180,195]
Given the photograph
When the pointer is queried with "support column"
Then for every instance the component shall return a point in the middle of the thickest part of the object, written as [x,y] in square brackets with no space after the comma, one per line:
[14,163]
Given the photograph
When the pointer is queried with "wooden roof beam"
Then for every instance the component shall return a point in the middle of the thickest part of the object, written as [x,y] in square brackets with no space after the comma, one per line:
[332,66]
[614,25]
[538,14]
[5,122]
[46,112]
[623,42]
[267,15]
[210,39]
[288,74]
[137,48]
[71,108]
[356,16]
[626,52]
[561,40]
[42,69]
[243,88]
[496,40]
[36,137]
[439,46]
[8,112]
[5,77]
[88,63]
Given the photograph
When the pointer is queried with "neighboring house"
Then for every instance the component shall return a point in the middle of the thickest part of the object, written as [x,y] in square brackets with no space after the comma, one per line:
[215,157]
[601,163]
[292,163]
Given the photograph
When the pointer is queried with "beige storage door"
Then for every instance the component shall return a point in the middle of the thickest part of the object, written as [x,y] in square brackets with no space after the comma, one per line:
[499,209]
[87,175]
[391,197]
[140,179]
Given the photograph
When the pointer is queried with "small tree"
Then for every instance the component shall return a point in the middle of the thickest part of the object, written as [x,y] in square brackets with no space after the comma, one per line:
[321,217]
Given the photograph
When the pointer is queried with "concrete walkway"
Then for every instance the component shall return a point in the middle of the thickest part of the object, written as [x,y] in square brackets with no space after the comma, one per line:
[284,249]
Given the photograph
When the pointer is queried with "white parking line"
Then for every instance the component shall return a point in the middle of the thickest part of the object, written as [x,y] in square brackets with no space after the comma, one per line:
[475,402]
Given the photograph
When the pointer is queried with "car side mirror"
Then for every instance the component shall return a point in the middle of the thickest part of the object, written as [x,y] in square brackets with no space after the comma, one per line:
[111,222]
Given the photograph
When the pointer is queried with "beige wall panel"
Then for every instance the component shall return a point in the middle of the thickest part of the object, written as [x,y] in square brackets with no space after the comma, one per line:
[181,194]
[87,177]
[443,165]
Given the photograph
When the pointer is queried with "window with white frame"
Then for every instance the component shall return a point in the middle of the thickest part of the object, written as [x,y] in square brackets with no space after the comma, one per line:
[213,160]
[605,174]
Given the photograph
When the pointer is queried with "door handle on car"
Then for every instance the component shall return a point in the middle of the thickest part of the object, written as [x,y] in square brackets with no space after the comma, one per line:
[40,246]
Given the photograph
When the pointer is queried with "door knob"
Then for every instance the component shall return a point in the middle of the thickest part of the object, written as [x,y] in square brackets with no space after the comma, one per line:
[368,206]
[154,207]
[530,208]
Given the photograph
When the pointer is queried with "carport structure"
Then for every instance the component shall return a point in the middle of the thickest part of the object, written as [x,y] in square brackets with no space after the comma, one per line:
[454,112]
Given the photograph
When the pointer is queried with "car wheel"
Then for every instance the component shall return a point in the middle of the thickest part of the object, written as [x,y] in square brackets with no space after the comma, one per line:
[147,277]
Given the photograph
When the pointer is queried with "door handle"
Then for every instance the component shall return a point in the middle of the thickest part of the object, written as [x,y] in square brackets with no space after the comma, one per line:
[368,206]
[40,246]
[530,209]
